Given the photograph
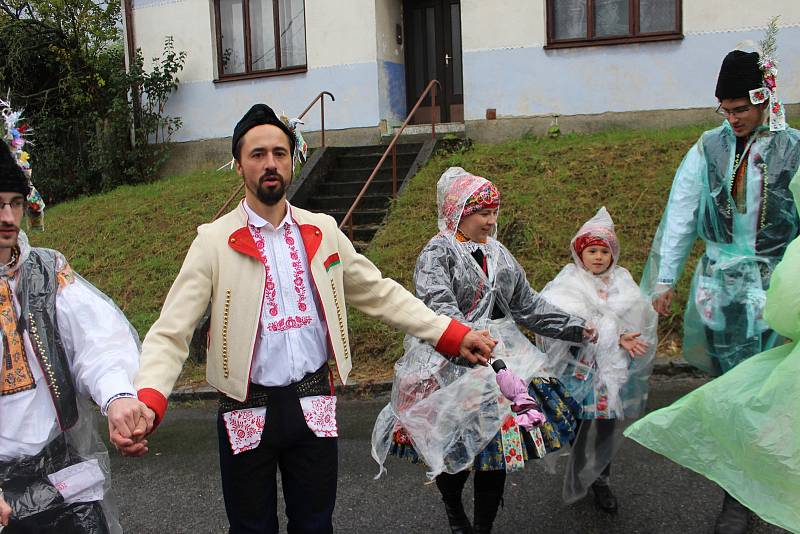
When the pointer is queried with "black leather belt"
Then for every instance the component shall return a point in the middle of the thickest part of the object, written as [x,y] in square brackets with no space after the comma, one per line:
[311,385]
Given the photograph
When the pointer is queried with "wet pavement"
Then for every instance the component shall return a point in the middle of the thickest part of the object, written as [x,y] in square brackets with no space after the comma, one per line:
[176,488]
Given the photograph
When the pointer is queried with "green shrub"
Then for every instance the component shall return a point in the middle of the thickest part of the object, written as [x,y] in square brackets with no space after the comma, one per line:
[95,126]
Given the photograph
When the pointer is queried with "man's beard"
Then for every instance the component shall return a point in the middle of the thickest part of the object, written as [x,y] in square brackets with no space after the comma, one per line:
[271,195]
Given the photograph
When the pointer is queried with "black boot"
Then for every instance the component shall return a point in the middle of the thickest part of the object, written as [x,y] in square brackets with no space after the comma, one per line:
[450,486]
[604,499]
[734,517]
[489,486]
[457,517]
[486,505]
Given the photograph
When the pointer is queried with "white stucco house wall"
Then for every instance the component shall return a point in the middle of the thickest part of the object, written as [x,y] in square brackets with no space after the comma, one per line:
[504,64]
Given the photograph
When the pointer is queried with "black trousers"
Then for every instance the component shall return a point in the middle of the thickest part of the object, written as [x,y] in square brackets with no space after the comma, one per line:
[308,466]
[37,506]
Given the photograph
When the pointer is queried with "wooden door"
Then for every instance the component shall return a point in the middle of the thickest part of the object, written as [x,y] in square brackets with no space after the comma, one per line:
[433,51]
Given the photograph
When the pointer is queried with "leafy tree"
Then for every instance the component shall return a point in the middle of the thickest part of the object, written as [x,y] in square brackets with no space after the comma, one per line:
[96,126]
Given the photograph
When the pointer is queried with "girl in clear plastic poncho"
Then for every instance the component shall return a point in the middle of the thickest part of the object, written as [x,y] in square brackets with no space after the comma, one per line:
[742,429]
[452,416]
[609,378]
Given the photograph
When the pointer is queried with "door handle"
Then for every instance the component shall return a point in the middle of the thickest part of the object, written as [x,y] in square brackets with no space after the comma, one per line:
[447,58]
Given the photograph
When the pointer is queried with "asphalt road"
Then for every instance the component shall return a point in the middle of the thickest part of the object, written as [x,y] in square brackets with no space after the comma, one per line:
[176,489]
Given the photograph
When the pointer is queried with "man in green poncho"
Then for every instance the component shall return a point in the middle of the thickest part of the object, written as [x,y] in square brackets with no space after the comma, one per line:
[731,191]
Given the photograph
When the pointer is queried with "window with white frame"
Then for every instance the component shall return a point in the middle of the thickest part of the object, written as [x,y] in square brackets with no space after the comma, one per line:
[260,37]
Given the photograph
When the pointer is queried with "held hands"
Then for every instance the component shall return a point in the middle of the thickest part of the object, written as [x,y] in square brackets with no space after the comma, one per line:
[663,302]
[590,333]
[129,422]
[476,347]
[5,511]
[631,343]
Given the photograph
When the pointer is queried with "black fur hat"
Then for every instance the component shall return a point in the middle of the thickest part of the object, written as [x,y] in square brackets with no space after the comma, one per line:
[11,176]
[738,75]
[257,115]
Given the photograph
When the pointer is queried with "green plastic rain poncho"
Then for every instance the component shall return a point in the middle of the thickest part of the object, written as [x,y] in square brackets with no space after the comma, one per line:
[742,430]
[723,322]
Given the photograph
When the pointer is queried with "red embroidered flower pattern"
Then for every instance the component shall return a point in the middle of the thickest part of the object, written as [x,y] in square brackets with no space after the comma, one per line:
[270,289]
[297,265]
[320,415]
[288,323]
[244,428]
[270,293]
[508,423]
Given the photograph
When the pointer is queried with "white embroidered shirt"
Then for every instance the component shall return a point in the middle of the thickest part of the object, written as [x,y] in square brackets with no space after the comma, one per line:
[292,338]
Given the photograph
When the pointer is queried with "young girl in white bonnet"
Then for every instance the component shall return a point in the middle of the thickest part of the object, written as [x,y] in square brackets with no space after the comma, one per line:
[608,378]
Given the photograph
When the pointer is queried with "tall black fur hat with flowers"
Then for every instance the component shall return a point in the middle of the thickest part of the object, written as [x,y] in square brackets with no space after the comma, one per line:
[754,75]
[12,178]
[15,167]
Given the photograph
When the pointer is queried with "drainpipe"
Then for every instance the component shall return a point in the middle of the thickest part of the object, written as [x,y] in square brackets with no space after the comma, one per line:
[130,46]
[130,40]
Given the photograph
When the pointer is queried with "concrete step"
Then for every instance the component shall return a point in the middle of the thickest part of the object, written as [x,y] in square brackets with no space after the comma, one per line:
[360,246]
[354,188]
[376,150]
[414,130]
[360,216]
[363,232]
[326,203]
[361,174]
[359,161]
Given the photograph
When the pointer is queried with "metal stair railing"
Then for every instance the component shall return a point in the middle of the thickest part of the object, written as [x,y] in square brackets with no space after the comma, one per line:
[319,98]
[430,88]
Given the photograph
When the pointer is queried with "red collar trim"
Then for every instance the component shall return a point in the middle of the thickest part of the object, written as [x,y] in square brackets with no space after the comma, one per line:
[312,238]
[242,241]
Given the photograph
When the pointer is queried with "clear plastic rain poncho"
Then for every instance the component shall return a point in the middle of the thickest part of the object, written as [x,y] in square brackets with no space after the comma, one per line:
[723,322]
[45,469]
[452,410]
[610,385]
[602,376]
[742,430]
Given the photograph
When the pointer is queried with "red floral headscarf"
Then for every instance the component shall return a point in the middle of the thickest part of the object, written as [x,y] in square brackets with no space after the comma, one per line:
[597,231]
[485,198]
[589,239]
[459,193]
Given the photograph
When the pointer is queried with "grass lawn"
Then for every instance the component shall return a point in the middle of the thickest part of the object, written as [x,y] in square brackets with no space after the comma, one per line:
[549,187]
[130,242]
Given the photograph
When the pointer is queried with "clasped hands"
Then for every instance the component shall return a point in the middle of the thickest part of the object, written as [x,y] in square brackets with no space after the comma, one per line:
[129,423]
[477,345]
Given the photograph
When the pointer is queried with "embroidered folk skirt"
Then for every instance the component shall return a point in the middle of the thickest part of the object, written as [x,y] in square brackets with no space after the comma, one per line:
[555,402]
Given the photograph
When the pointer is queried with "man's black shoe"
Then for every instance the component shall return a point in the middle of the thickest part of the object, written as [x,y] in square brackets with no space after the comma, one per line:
[604,499]
[734,517]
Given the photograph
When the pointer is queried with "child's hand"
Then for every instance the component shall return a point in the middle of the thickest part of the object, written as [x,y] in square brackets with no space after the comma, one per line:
[590,333]
[5,511]
[631,343]
[663,301]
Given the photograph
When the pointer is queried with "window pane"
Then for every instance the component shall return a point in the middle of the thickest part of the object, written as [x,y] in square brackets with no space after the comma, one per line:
[232,29]
[611,18]
[569,19]
[262,35]
[455,25]
[293,33]
[657,16]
